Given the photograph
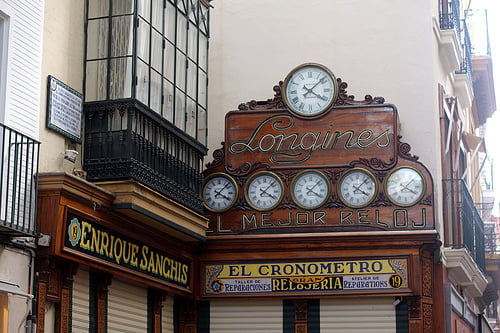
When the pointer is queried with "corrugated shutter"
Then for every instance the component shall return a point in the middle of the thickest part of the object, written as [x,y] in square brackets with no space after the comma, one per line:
[80,302]
[127,308]
[167,316]
[358,315]
[246,316]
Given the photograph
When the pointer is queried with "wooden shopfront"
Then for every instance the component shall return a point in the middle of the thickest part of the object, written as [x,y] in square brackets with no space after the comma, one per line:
[320,218]
[102,270]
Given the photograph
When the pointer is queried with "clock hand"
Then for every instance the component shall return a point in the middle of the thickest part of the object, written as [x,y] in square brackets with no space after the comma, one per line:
[356,188]
[404,187]
[267,193]
[219,192]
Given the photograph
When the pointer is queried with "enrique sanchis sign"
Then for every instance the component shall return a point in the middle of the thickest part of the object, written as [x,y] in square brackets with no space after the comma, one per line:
[280,139]
[86,237]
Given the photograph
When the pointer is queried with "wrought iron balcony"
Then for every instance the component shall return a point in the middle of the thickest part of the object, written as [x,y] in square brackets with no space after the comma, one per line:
[449,18]
[126,140]
[466,65]
[464,227]
[18,184]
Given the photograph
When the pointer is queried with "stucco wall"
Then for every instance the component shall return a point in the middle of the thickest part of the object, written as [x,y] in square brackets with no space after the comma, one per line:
[63,57]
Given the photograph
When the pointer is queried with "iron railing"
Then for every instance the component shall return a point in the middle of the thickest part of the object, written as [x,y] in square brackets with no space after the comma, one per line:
[466,65]
[126,140]
[464,228]
[18,184]
[449,18]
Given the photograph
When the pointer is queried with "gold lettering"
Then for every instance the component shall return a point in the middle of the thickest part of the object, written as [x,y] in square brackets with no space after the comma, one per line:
[118,244]
[144,260]
[84,242]
[344,216]
[135,249]
[249,221]
[395,215]
[96,237]
[318,217]
[104,243]
[361,215]
[264,218]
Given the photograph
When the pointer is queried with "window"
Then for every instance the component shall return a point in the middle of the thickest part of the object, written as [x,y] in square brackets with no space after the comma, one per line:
[154,51]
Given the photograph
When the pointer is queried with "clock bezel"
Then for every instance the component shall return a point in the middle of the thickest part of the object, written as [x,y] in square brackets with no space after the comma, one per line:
[344,175]
[394,201]
[259,174]
[236,194]
[301,174]
[323,110]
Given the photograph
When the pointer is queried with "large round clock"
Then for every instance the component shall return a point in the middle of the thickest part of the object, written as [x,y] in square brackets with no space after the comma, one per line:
[310,89]
[219,192]
[357,188]
[310,189]
[264,191]
[405,186]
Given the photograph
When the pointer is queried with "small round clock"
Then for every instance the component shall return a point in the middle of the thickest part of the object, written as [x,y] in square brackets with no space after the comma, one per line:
[405,186]
[219,192]
[310,189]
[357,188]
[310,89]
[264,191]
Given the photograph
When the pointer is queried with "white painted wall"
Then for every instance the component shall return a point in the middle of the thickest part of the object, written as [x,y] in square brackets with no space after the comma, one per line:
[382,48]
[23,22]
[63,58]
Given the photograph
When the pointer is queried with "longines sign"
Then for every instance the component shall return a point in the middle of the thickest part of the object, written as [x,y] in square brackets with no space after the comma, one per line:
[280,139]
[337,276]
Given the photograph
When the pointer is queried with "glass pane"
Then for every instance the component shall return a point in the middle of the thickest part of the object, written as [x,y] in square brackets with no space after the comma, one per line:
[192,42]
[202,89]
[143,41]
[169,61]
[123,7]
[180,100]
[191,79]
[96,80]
[193,10]
[181,4]
[191,117]
[170,22]
[142,89]
[98,8]
[168,101]
[144,9]
[122,36]
[156,50]
[156,14]
[202,126]
[120,78]
[181,32]
[155,90]
[204,18]
[97,39]
[203,60]
[180,64]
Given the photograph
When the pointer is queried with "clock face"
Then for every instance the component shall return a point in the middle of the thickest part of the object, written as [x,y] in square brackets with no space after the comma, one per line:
[310,89]
[405,186]
[310,189]
[264,191]
[219,192]
[357,188]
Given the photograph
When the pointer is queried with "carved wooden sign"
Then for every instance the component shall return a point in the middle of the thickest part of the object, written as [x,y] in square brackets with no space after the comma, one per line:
[280,139]
[344,169]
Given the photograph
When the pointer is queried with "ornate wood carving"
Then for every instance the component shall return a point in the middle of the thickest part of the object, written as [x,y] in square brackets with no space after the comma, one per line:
[427,282]
[414,304]
[277,101]
[187,316]
[103,282]
[427,318]
[300,307]
[42,305]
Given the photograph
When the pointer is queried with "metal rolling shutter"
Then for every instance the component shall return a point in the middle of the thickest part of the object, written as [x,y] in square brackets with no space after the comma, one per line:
[80,302]
[167,316]
[127,308]
[358,315]
[246,316]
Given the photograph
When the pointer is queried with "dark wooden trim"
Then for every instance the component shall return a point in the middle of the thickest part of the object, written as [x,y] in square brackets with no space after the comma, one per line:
[288,316]
[402,316]
[313,316]
[203,324]
[300,307]
[99,283]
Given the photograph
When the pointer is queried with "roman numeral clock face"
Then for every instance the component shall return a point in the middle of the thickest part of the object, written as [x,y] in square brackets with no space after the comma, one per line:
[219,192]
[310,90]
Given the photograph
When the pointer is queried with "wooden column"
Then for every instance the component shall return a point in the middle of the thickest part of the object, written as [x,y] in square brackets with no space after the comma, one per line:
[187,316]
[300,307]
[102,283]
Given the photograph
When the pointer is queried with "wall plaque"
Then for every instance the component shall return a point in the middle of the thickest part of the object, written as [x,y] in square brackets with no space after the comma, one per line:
[64,109]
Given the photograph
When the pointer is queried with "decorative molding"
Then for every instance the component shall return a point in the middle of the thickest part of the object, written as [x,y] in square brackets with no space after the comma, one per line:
[427,275]
[427,318]
[277,101]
